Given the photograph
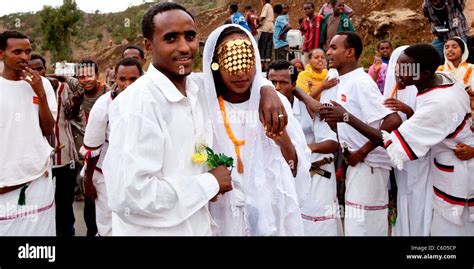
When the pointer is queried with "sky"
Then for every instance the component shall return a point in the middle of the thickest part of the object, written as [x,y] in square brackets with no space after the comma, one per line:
[13,6]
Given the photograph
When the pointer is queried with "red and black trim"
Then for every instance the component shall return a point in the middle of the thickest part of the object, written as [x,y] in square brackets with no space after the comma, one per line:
[460,127]
[410,153]
[98,170]
[388,143]
[443,167]
[435,88]
[91,148]
[452,199]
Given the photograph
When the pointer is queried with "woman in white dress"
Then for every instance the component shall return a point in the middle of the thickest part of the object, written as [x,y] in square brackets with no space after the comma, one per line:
[270,175]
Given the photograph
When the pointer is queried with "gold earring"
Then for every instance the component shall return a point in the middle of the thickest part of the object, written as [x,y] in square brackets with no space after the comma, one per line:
[215,66]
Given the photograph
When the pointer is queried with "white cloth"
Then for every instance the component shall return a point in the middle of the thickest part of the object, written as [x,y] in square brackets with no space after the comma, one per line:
[441,121]
[366,209]
[103,214]
[320,209]
[25,151]
[267,191]
[153,186]
[407,95]
[414,199]
[415,190]
[267,23]
[98,130]
[330,94]
[95,144]
[443,227]
[359,95]
[36,217]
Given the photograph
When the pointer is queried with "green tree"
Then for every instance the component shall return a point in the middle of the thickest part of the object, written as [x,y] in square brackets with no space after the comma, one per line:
[57,26]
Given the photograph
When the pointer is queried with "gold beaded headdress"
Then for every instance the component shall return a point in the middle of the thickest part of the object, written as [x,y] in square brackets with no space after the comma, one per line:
[235,55]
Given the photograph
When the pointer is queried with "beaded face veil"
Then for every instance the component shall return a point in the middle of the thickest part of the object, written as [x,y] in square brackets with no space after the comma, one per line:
[234,56]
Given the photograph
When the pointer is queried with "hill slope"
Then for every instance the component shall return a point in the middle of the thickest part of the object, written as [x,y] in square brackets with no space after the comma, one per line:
[103,36]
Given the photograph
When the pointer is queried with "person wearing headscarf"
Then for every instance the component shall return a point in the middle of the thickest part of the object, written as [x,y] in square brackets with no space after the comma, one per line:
[414,195]
[456,54]
[314,79]
[271,176]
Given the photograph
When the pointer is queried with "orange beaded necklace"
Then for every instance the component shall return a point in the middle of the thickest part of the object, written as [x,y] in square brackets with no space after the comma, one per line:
[237,143]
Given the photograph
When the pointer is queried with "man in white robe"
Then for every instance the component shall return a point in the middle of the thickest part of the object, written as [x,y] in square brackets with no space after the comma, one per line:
[367,177]
[96,142]
[27,106]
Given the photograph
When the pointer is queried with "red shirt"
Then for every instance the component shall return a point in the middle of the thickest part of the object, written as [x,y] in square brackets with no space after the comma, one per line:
[251,19]
[311,30]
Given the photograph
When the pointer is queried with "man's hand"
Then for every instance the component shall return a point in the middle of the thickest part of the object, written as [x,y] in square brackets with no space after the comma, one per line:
[89,188]
[328,84]
[222,175]
[333,113]
[33,78]
[355,157]
[280,139]
[272,112]
[397,105]
[470,91]
[464,152]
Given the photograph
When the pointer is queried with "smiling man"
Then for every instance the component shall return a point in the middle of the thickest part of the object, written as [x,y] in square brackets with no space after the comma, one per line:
[153,186]
[27,105]
[157,125]
[367,176]
[86,90]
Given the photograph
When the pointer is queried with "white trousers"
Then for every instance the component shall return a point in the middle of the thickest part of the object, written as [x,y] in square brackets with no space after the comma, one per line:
[442,227]
[103,214]
[36,217]
[414,206]
[366,209]
[320,211]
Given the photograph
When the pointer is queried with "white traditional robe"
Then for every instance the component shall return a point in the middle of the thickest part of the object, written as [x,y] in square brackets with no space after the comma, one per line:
[153,186]
[441,121]
[415,195]
[320,210]
[25,158]
[95,144]
[367,183]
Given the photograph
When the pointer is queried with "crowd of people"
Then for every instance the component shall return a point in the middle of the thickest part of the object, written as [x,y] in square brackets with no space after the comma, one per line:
[257,144]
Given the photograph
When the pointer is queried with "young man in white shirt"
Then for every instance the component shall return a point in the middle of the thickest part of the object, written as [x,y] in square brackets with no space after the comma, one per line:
[27,105]
[441,121]
[156,126]
[96,143]
[367,176]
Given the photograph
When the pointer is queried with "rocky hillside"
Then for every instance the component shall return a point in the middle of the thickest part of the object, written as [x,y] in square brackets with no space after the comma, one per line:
[102,36]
